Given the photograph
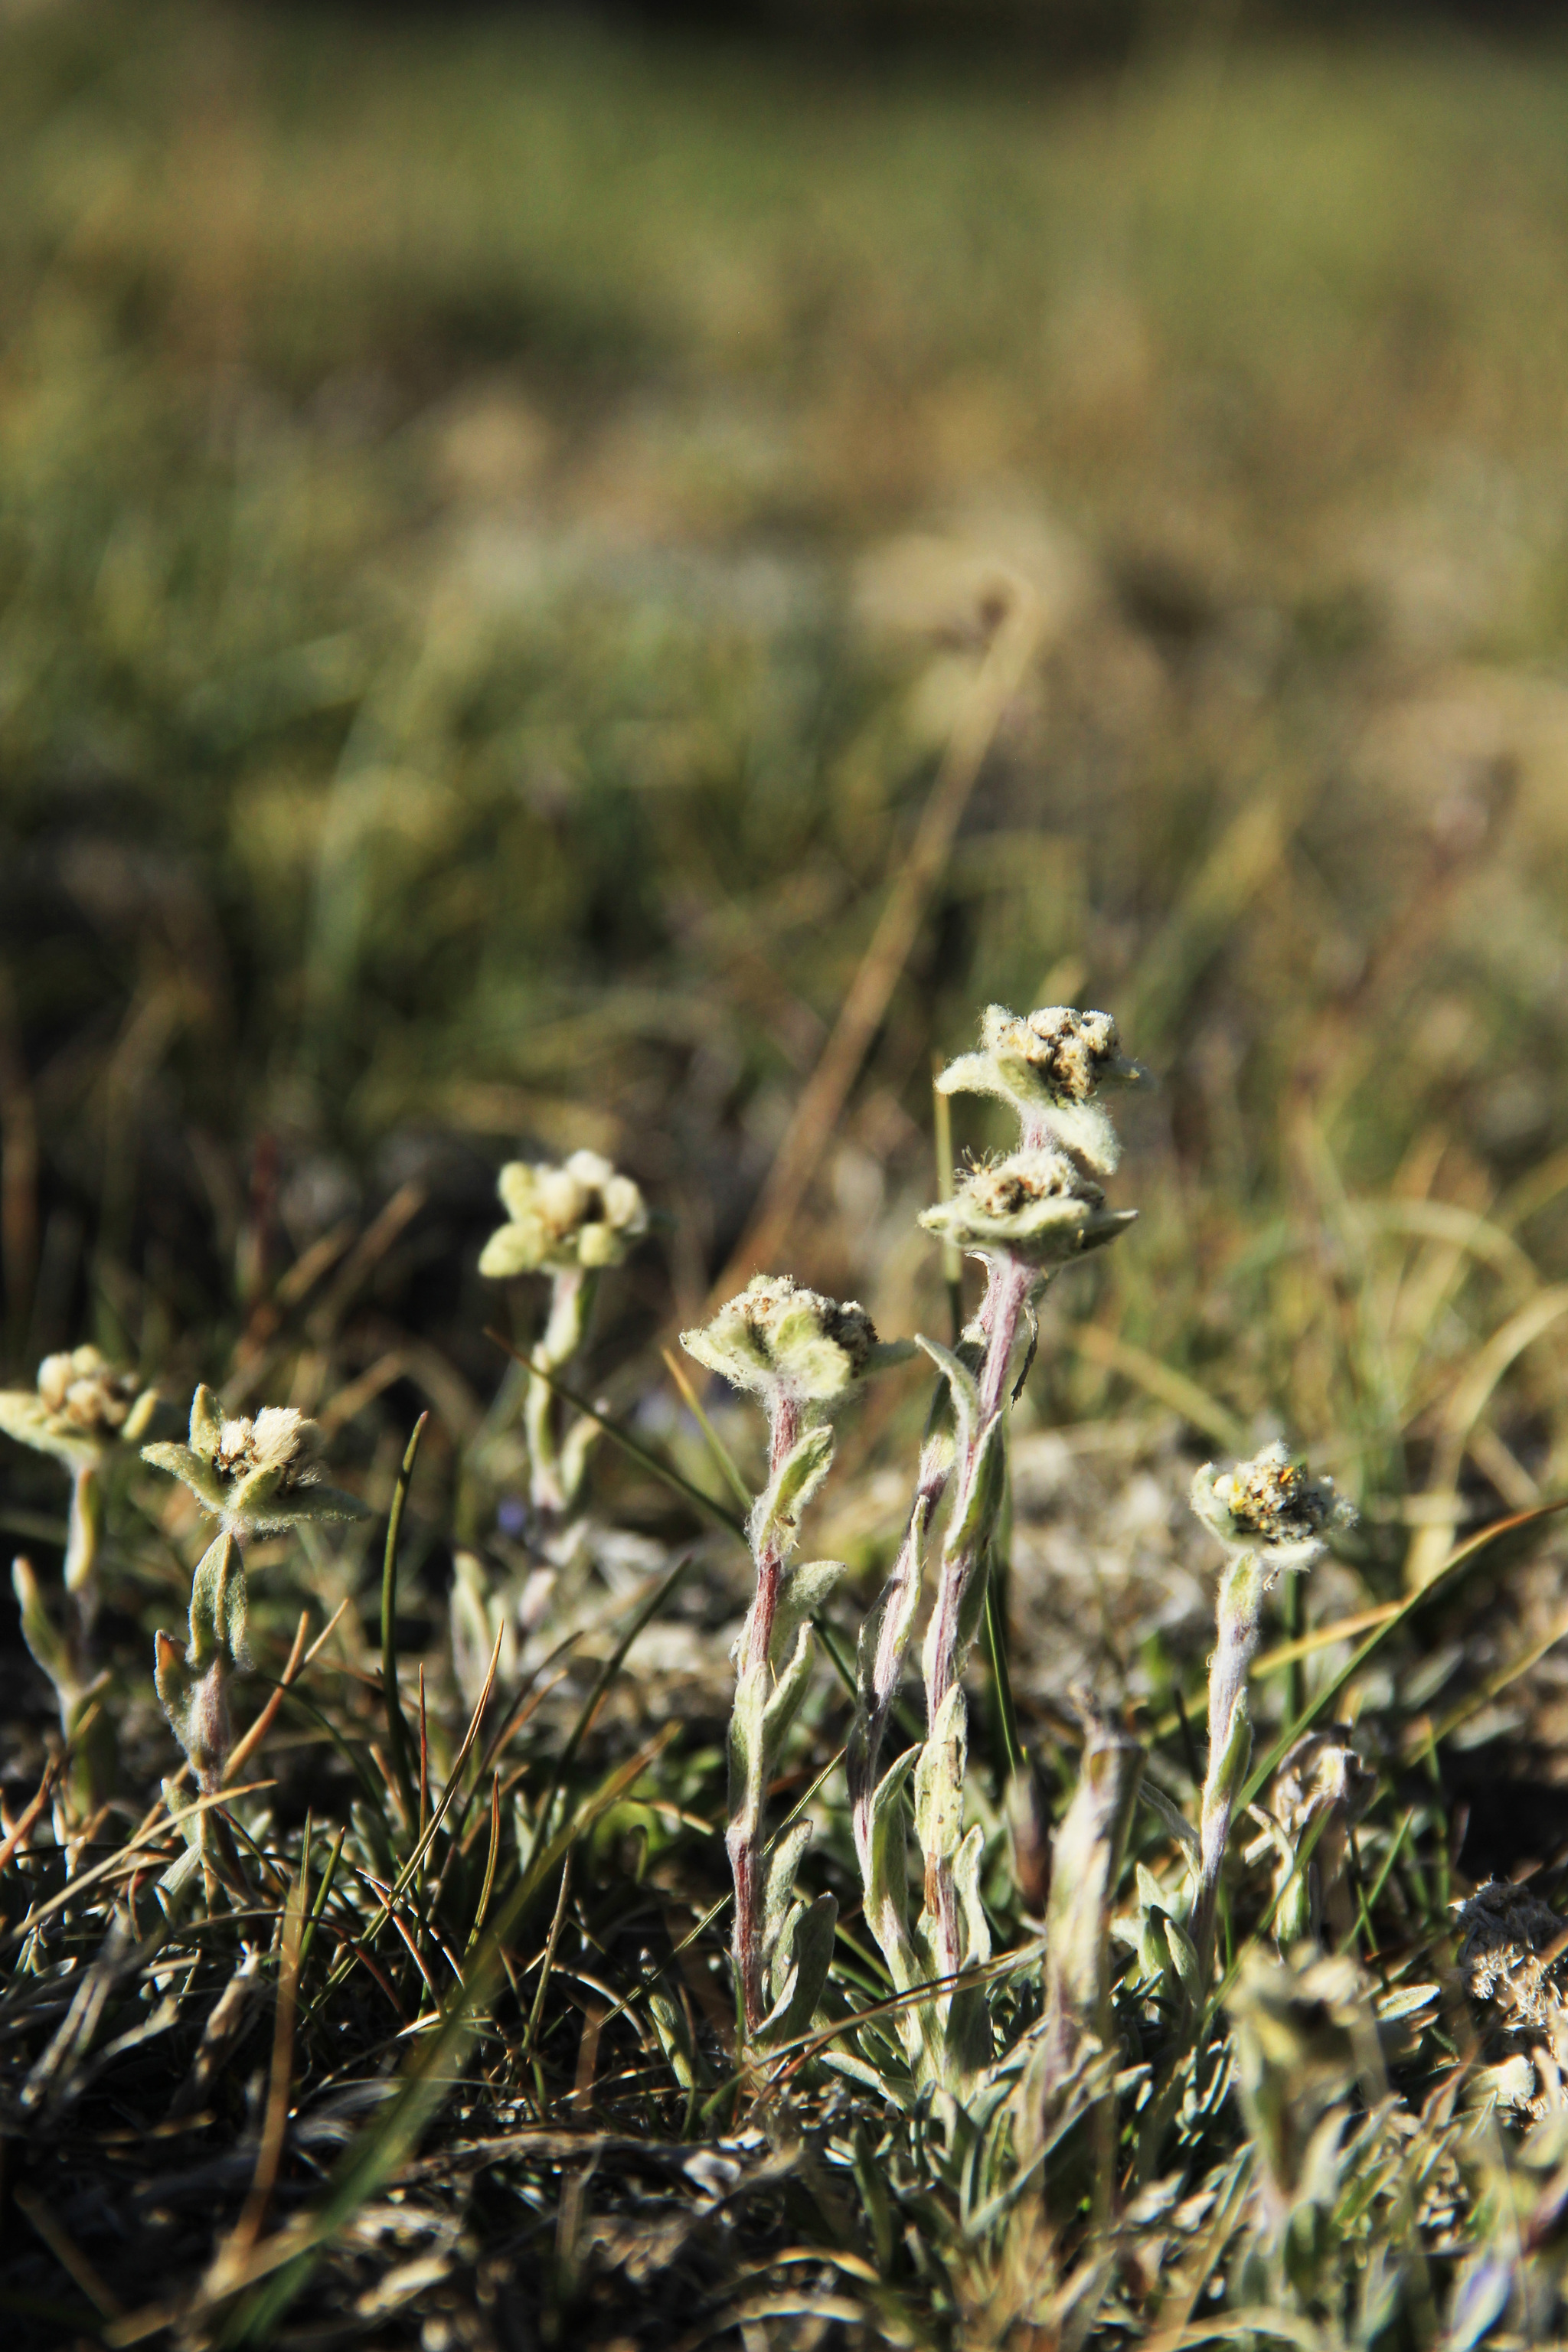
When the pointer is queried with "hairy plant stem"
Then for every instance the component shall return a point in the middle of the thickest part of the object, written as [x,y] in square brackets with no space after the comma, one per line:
[1010,1284]
[743,1838]
[1239,1610]
[571,1298]
[899,1599]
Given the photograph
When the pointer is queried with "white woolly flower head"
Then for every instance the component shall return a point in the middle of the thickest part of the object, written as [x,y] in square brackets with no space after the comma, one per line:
[254,1475]
[584,1213]
[1269,1505]
[1036,1205]
[82,1406]
[778,1341]
[1050,1066]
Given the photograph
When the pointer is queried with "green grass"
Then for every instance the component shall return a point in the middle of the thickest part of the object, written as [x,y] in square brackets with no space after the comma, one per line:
[498,522]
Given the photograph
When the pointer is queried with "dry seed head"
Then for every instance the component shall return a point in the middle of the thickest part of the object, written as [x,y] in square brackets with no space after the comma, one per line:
[584,1213]
[1271,1506]
[779,1341]
[1037,1205]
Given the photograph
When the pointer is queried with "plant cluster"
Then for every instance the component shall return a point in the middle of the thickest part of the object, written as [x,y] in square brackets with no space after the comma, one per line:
[1025,2069]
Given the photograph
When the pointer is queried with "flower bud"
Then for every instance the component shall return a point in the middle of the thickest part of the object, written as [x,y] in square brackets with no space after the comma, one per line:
[778,1341]
[582,1214]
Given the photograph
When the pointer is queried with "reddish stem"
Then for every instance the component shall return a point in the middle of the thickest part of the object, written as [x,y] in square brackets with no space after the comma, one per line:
[744,1838]
[1007,1288]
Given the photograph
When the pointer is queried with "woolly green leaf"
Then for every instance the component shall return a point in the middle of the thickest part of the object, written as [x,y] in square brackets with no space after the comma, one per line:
[973,1518]
[746,1745]
[784,1705]
[218,1608]
[976,1927]
[805,1959]
[184,1463]
[807,1589]
[779,1880]
[47,1644]
[939,1779]
[886,1873]
[206,1423]
[791,1488]
[961,1386]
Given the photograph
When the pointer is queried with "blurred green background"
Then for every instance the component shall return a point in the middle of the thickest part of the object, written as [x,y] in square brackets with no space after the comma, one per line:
[500,519]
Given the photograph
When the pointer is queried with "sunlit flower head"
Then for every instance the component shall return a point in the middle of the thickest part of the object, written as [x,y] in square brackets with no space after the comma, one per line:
[584,1213]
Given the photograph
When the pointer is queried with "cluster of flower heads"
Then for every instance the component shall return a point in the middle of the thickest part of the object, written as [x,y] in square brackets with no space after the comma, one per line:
[1042,1203]
[82,1405]
[1050,1066]
[777,1340]
[254,1475]
[584,1214]
[1271,1506]
[1037,1205]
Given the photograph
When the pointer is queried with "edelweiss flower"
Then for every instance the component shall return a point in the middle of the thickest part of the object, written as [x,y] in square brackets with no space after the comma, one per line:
[584,1214]
[254,1475]
[776,1339]
[1034,1205]
[1269,1505]
[1049,1066]
[82,1406]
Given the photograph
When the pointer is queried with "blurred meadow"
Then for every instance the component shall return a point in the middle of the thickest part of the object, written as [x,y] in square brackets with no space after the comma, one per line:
[511,525]
[499,520]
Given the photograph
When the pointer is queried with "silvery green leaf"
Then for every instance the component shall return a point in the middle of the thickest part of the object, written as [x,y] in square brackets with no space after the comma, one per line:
[196,1704]
[206,1423]
[974,1514]
[748,1772]
[184,1463]
[25,1416]
[779,1880]
[962,1388]
[976,1926]
[673,2030]
[809,1957]
[1226,1777]
[1086,1130]
[1184,1956]
[887,1875]
[576,1447]
[939,1779]
[785,1704]
[1172,1818]
[1403,2002]
[806,1590]
[218,1608]
[792,1486]
[47,1645]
